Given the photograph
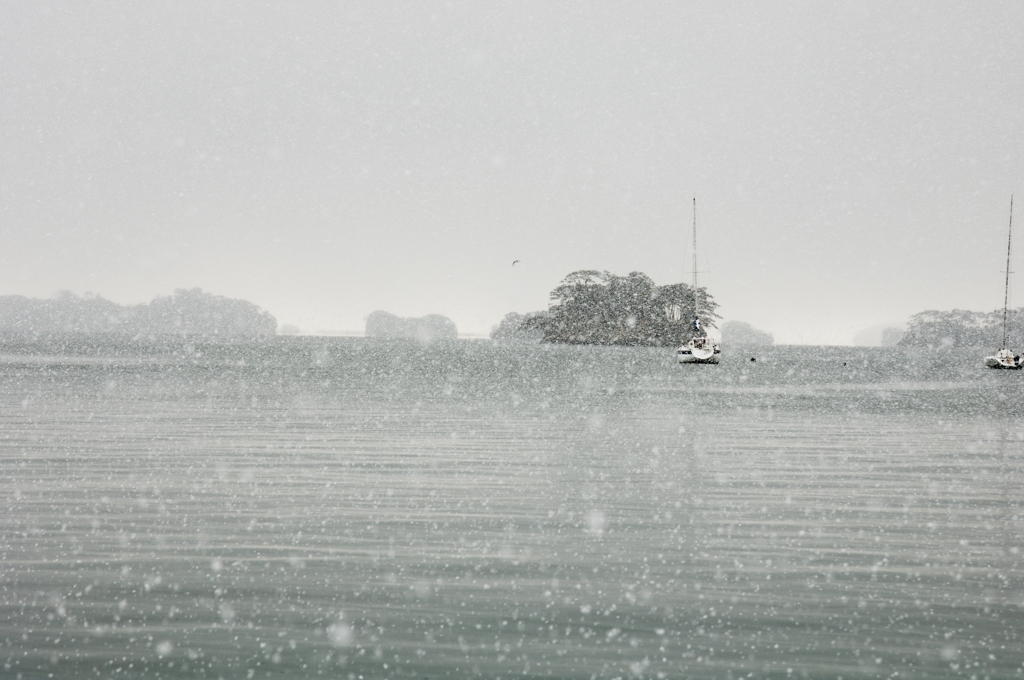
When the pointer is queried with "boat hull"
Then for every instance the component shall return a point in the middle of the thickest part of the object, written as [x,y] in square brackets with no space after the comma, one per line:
[690,359]
[696,352]
[1004,358]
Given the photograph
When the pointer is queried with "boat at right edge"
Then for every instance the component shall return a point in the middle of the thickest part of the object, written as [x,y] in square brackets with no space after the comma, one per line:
[1005,358]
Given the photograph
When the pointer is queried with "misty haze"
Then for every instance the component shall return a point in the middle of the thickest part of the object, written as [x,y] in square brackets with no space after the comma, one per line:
[511,340]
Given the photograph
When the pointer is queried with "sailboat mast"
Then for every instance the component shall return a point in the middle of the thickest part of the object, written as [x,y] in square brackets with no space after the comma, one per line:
[695,310]
[695,247]
[1006,297]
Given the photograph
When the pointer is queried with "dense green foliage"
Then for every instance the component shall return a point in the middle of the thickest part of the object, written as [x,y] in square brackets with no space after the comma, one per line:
[599,308]
[962,328]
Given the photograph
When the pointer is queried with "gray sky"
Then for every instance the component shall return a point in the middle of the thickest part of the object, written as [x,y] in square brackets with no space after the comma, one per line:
[852,162]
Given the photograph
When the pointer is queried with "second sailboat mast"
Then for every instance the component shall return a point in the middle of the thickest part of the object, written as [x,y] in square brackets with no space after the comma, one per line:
[695,257]
[1006,296]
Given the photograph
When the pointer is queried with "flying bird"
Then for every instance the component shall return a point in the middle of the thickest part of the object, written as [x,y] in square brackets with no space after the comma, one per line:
[514,262]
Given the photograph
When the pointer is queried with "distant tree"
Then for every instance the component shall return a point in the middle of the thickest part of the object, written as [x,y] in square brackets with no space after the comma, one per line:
[433,327]
[65,313]
[892,336]
[427,329]
[962,328]
[600,308]
[512,329]
[381,324]
[187,312]
[739,333]
[194,312]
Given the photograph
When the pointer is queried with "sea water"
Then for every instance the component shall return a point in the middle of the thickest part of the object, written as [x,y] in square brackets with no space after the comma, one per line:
[345,508]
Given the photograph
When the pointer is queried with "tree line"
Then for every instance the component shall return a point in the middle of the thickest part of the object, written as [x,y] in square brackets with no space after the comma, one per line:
[962,328]
[189,312]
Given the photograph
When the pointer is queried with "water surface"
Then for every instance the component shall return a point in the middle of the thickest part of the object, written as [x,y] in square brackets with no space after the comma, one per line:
[355,509]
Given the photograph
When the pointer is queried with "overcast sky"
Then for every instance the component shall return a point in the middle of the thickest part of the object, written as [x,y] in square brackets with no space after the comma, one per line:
[852,162]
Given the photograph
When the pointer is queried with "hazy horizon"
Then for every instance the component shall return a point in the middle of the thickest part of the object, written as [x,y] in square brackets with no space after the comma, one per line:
[852,165]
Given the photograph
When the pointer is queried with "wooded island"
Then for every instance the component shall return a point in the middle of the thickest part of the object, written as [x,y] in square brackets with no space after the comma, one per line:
[591,307]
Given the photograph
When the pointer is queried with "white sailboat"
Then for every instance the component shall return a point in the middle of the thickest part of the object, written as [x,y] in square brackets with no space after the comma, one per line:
[700,349]
[1005,358]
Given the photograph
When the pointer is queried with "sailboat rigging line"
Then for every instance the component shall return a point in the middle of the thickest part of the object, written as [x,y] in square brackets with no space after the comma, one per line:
[1006,297]
[695,253]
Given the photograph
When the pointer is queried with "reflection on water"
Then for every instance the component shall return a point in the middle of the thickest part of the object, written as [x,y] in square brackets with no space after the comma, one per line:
[346,508]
